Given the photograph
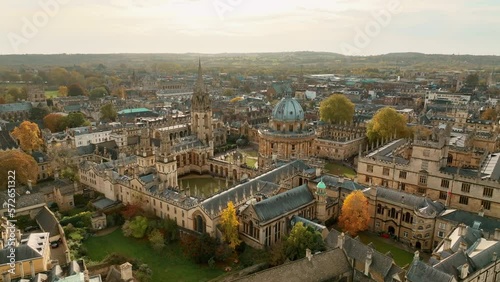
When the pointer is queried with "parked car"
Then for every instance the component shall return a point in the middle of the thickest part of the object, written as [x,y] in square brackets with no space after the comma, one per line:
[54,245]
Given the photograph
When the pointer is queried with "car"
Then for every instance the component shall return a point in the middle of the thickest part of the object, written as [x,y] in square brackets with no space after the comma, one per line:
[54,245]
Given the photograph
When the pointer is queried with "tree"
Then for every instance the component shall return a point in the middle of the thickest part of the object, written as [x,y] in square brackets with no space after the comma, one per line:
[23,165]
[300,239]
[108,112]
[98,92]
[76,90]
[157,240]
[489,114]
[138,226]
[74,120]
[229,223]
[63,91]
[472,80]
[200,249]
[336,109]
[385,123]
[53,122]
[422,131]
[29,136]
[354,215]
[38,113]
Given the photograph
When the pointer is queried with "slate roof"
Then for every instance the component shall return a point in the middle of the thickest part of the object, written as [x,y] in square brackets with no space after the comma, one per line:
[15,107]
[451,264]
[40,157]
[23,252]
[422,272]
[325,266]
[47,221]
[103,203]
[7,142]
[422,205]
[282,203]
[334,181]
[316,226]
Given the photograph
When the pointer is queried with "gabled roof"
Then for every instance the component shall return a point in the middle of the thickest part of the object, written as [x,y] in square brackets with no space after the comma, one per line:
[283,203]
[6,141]
[422,272]
[23,252]
[47,221]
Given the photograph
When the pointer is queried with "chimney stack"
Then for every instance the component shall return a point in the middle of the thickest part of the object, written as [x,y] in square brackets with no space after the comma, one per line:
[494,257]
[29,185]
[447,244]
[416,257]
[308,254]
[318,171]
[462,229]
[463,247]
[126,271]
[464,271]
[341,240]
[368,261]
[497,234]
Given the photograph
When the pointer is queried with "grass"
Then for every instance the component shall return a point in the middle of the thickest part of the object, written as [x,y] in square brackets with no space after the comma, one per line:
[205,183]
[383,245]
[51,94]
[169,265]
[340,170]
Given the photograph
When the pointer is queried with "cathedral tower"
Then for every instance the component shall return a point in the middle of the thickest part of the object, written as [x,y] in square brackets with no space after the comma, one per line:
[201,111]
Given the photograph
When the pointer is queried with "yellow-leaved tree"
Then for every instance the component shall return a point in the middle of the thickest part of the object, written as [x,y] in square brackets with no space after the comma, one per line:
[22,165]
[386,123]
[29,136]
[229,224]
[336,109]
[354,216]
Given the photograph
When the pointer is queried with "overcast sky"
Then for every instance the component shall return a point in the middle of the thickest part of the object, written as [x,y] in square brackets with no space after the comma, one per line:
[219,26]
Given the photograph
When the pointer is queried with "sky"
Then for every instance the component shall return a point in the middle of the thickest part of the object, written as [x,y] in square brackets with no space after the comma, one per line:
[350,27]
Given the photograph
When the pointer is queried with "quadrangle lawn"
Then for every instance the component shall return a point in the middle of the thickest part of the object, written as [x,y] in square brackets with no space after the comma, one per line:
[383,245]
[169,265]
[340,170]
[51,94]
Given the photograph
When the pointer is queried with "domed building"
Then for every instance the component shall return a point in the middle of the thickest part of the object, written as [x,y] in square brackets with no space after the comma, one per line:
[288,136]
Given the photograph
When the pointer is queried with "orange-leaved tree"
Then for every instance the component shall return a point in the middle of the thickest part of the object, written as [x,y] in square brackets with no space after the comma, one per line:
[354,216]
[229,224]
[29,136]
[53,122]
[22,165]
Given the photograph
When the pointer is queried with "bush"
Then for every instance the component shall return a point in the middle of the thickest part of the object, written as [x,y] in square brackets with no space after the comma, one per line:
[80,220]
[199,249]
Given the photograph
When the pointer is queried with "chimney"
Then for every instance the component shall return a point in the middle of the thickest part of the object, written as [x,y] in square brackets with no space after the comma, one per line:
[32,267]
[18,235]
[318,171]
[126,271]
[368,261]
[21,269]
[308,254]
[464,271]
[462,229]
[416,257]
[29,185]
[447,244]
[463,247]
[494,257]
[481,211]
[497,234]
[341,240]
[6,276]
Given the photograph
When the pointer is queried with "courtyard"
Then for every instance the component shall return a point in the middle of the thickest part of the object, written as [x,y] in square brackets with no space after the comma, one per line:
[384,245]
[339,169]
[169,265]
[205,183]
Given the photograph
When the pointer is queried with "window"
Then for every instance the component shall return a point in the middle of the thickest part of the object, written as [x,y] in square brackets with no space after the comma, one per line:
[405,234]
[427,235]
[293,147]
[465,187]
[442,195]
[464,200]
[385,171]
[422,179]
[421,190]
[392,213]
[403,186]
[486,205]
[368,179]
[488,192]
[379,209]
[402,174]
[385,183]
[445,183]
[442,225]
[441,234]
[377,224]
[425,165]
[369,168]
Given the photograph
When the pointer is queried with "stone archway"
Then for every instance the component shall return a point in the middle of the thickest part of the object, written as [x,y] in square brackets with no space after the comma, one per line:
[418,245]
[391,230]
[199,223]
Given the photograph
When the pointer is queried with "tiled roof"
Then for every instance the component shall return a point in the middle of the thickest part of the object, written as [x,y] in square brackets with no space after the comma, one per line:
[421,204]
[47,221]
[15,107]
[422,272]
[6,141]
[22,252]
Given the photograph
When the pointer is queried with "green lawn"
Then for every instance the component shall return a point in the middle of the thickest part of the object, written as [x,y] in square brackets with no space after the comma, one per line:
[169,265]
[205,183]
[340,170]
[383,245]
[51,94]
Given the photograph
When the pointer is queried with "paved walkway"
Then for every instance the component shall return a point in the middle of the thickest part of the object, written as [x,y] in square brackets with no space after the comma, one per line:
[106,231]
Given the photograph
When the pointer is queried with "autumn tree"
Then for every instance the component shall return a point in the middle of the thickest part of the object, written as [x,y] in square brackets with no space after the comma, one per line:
[336,109]
[421,131]
[489,114]
[300,239]
[157,240]
[63,91]
[354,215]
[75,90]
[386,123]
[229,223]
[29,136]
[53,122]
[108,112]
[24,166]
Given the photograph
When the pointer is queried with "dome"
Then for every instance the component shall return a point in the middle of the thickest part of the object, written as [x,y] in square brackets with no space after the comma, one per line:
[321,185]
[288,109]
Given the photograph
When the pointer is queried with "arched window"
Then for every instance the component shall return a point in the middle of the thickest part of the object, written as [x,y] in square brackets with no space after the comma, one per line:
[379,209]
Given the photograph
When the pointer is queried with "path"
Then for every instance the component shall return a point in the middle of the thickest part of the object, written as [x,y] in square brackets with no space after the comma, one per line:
[106,231]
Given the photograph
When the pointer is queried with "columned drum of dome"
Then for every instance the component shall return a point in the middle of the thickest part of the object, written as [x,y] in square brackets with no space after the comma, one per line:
[287,136]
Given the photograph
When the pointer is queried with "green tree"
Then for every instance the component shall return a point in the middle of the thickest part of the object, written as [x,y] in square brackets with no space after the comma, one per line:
[157,240]
[38,113]
[74,120]
[138,226]
[108,112]
[336,109]
[354,215]
[472,80]
[385,123]
[98,92]
[29,136]
[229,224]
[300,239]
[76,90]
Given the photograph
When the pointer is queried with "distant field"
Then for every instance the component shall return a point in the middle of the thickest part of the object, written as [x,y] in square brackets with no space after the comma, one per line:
[51,94]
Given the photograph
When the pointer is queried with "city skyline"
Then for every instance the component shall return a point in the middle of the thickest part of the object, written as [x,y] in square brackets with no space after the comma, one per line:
[236,26]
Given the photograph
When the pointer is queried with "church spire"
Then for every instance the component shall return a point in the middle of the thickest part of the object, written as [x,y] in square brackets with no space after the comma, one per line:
[199,81]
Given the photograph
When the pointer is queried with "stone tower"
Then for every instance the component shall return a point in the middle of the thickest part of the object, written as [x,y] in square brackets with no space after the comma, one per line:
[321,201]
[201,111]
